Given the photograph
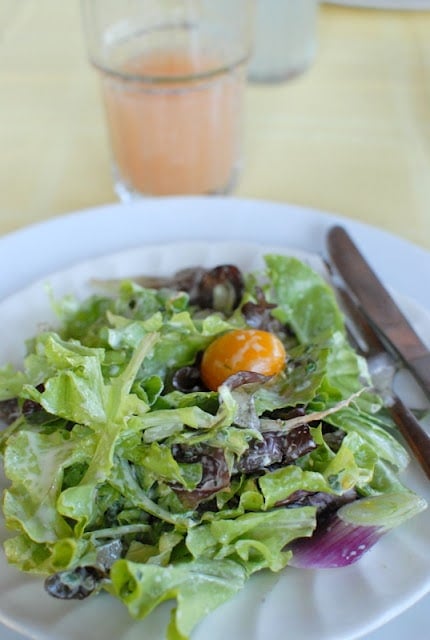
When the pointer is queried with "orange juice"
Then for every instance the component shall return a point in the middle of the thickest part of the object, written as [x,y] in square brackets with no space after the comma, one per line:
[174,123]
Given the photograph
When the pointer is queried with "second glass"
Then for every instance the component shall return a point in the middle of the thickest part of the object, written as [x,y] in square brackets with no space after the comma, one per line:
[173,75]
[285,39]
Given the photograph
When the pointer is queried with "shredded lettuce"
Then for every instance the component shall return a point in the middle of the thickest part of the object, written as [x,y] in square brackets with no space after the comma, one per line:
[198,489]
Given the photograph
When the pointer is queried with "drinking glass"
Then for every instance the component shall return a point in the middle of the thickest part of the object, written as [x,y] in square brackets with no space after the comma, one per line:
[173,74]
[285,39]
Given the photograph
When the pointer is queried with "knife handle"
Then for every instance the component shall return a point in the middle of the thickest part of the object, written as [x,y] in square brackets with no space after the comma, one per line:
[414,434]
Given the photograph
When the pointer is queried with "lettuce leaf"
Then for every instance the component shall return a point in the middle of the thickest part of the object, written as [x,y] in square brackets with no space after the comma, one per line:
[255,539]
[304,300]
[198,587]
[106,448]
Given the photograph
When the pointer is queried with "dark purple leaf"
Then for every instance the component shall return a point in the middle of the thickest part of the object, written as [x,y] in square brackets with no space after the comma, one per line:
[258,314]
[276,448]
[245,377]
[220,288]
[215,473]
[332,436]
[187,379]
[9,410]
[75,584]
[297,443]
[261,454]
[324,502]
[286,413]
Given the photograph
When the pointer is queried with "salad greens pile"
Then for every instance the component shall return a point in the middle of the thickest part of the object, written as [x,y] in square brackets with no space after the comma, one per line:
[127,475]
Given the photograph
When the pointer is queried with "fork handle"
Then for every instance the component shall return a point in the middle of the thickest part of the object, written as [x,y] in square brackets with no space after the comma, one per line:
[414,434]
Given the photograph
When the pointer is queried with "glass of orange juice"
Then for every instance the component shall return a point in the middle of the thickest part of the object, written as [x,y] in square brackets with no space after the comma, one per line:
[173,74]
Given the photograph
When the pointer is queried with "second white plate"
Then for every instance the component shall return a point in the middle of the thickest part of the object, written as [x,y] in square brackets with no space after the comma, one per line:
[401,5]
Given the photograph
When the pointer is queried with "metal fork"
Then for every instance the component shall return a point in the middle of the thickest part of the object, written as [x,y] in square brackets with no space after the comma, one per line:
[382,367]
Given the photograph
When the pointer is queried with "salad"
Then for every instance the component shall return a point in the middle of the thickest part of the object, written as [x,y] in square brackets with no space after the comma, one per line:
[168,438]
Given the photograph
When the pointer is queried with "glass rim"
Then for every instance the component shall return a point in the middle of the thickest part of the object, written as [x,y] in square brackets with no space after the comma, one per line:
[169,80]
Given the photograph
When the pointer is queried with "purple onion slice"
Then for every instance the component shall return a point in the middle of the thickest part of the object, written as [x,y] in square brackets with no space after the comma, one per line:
[349,533]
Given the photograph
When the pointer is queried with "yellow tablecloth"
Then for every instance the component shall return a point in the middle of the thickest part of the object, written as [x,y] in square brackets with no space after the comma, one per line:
[350,136]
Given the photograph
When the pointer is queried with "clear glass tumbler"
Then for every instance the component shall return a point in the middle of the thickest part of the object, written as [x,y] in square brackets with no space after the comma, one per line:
[285,39]
[172,74]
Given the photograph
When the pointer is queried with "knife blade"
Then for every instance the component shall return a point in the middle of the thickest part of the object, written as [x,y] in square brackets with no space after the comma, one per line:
[382,368]
[378,305]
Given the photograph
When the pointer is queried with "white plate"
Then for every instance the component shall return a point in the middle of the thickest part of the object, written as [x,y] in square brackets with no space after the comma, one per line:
[402,5]
[311,605]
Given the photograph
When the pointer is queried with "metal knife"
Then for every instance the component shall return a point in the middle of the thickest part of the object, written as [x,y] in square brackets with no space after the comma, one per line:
[378,305]
[382,368]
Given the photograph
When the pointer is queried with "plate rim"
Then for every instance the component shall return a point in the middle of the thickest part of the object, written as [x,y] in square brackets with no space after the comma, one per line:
[69,225]
[80,216]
